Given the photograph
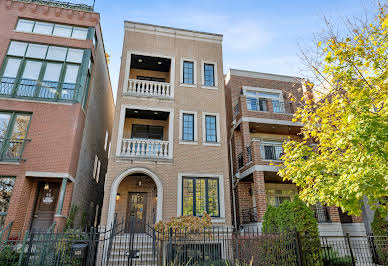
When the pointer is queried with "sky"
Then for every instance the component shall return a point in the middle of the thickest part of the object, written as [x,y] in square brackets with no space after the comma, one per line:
[260,35]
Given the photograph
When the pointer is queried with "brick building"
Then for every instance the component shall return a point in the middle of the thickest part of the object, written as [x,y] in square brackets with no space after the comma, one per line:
[56,112]
[169,147]
[259,117]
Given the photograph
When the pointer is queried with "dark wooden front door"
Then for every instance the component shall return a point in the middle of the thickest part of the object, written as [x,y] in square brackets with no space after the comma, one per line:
[136,211]
[45,206]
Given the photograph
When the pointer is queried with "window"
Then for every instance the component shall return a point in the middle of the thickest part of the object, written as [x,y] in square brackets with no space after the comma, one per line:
[188,72]
[211,128]
[6,188]
[41,71]
[257,100]
[271,150]
[60,30]
[200,195]
[276,197]
[209,75]
[188,127]
[98,171]
[13,133]
[147,132]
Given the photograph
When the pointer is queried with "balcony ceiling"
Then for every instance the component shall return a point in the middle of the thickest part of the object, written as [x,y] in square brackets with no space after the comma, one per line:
[146,114]
[150,63]
[273,129]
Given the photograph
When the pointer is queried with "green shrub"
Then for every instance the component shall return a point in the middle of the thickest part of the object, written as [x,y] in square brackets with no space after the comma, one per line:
[332,258]
[9,256]
[295,216]
[380,228]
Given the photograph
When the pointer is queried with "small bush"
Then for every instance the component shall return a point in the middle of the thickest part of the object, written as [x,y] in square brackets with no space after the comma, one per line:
[186,223]
[332,258]
[295,216]
[9,256]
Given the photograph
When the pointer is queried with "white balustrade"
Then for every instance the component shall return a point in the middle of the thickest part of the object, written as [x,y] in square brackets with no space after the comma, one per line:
[148,88]
[147,148]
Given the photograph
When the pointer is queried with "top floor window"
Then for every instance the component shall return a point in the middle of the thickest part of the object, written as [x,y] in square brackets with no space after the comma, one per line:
[13,133]
[257,101]
[188,72]
[41,71]
[53,29]
[209,75]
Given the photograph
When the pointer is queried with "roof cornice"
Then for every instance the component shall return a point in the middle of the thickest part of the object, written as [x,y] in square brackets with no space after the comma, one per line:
[172,32]
[261,75]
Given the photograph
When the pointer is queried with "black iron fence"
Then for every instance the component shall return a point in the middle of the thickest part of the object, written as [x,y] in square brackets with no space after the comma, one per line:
[136,243]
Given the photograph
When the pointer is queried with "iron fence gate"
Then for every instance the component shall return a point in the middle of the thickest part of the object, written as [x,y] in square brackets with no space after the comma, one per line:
[123,244]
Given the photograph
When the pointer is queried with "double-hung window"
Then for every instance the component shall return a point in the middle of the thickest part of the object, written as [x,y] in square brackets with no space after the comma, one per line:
[6,188]
[211,128]
[209,75]
[13,133]
[188,72]
[41,71]
[200,195]
[188,127]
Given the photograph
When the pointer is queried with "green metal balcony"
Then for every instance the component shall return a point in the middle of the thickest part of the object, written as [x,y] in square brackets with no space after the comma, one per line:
[39,90]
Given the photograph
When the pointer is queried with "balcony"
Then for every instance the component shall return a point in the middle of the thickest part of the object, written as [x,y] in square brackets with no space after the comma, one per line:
[271,151]
[149,76]
[146,135]
[44,90]
[321,213]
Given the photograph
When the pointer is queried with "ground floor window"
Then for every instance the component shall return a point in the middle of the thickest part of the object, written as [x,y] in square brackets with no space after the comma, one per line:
[275,197]
[201,194]
[6,188]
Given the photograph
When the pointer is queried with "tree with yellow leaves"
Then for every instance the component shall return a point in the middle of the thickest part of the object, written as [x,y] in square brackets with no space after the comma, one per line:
[344,152]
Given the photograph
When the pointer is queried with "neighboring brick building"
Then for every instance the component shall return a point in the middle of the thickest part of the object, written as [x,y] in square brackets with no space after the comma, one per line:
[260,111]
[169,147]
[56,112]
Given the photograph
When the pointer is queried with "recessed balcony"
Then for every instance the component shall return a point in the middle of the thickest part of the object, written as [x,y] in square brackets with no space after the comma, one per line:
[149,76]
[146,135]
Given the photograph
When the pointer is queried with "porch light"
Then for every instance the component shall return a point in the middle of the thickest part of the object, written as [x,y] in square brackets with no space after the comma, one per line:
[140,60]
[118,196]
[159,63]
[46,187]
[139,183]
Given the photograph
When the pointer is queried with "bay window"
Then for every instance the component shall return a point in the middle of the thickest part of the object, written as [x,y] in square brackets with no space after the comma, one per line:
[200,195]
[41,71]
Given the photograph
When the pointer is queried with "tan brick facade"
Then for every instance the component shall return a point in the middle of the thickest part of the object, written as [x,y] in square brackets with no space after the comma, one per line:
[194,159]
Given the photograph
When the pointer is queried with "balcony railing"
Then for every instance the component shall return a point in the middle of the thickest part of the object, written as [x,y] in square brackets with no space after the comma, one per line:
[146,148]
[279,107]
[271,151]
[249,216]
[62,4]
[139,87]
[322,214]
[236,110]
[27,88]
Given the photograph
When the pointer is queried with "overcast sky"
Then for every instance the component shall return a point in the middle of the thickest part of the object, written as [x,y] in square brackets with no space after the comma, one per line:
[259,35]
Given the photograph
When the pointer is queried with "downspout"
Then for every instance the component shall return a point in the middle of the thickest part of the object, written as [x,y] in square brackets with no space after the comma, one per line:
[232,173]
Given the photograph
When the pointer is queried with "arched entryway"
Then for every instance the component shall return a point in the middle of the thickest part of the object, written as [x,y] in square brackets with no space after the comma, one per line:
[136,193]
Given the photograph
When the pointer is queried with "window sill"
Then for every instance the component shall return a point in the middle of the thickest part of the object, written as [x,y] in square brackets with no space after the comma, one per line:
[209,87]
[212,143]
[10,162]
[188,85]
[188,142]
[258,111]
[218,220]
